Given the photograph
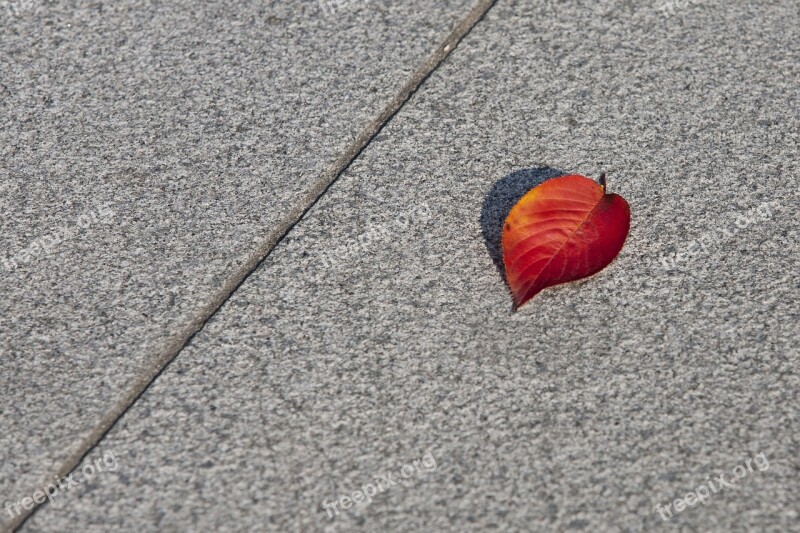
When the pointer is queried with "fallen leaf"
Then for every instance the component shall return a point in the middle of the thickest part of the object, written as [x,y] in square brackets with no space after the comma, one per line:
[565,229]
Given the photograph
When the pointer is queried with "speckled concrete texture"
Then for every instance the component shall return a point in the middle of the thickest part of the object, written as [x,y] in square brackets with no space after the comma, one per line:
[146,148]
[380,331]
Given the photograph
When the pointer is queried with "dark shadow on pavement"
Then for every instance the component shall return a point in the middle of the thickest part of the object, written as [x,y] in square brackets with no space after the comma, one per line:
[505,193]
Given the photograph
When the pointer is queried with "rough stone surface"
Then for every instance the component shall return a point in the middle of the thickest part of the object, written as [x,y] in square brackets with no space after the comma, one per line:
[380,329]
[146,148]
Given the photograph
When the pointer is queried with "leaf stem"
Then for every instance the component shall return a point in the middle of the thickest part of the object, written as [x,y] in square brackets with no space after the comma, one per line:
[602,181]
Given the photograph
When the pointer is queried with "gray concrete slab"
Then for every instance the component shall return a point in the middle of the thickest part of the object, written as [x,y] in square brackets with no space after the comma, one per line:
[380,330]
[147,150]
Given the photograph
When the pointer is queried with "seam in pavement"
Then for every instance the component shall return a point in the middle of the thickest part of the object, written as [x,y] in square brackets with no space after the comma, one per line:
[329,177]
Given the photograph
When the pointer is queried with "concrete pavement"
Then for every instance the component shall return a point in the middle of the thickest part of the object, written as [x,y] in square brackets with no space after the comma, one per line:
[379,333]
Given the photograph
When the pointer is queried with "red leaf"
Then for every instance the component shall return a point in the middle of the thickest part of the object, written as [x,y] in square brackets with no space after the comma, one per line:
[565,229]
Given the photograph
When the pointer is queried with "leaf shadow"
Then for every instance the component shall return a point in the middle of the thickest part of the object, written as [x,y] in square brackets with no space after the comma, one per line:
[503,195]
